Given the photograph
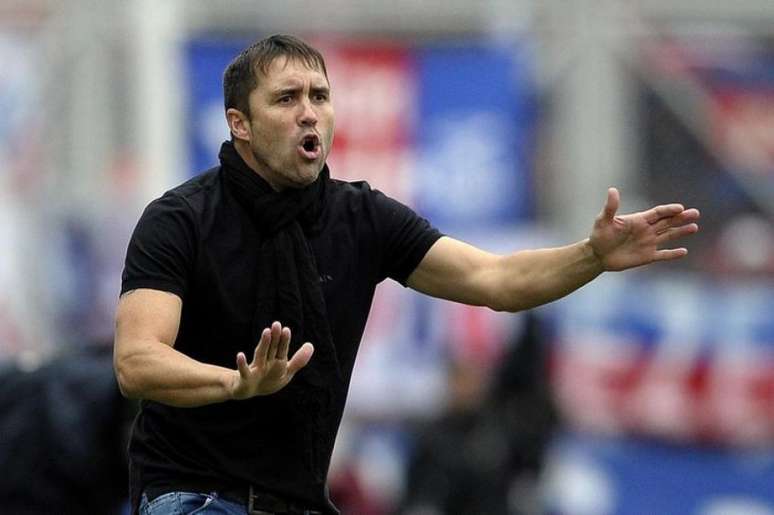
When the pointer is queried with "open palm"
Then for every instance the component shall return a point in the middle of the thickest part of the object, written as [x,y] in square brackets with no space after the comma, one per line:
[270,370]
[627,241]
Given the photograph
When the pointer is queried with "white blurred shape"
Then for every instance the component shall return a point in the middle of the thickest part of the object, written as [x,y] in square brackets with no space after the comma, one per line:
[380,468]
[748,243]
[470,164]
[736,506]
[212,127]
[575,486]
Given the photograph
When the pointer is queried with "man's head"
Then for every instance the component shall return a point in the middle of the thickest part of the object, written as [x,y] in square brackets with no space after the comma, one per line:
[279,111]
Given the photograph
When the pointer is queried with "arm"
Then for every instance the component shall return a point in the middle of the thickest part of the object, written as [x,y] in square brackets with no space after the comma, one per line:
[457,271]
[148,367]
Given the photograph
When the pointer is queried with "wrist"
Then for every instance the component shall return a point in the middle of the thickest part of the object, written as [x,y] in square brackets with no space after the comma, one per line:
[229,383]
[591,256]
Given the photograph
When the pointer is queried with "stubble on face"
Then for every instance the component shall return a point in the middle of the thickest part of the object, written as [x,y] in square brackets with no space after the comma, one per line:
[292,124]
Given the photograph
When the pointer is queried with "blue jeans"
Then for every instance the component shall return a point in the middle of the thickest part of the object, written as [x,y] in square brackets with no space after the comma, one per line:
[188,503]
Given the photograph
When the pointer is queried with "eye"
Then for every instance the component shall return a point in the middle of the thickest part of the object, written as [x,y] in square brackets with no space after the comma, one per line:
[285,99]
[321,97]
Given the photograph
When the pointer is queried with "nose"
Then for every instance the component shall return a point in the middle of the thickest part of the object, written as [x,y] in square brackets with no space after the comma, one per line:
[308,116]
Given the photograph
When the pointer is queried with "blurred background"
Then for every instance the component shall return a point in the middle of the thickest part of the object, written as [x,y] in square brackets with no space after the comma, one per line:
[503,122]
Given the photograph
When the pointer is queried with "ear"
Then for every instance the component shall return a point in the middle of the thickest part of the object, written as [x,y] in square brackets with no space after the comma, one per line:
[238,124]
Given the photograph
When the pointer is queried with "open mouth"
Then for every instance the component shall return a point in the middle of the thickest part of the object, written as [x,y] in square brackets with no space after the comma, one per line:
[310,146]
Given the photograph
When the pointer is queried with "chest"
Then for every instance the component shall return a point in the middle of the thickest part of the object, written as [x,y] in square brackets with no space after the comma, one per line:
[228,272]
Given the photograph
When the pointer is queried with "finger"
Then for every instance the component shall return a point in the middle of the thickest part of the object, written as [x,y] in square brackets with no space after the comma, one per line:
[284,344]
[612,204]
[662,225]
[276,330]
[692,214]
[655,214]
[669,254]
[241,361]
[300,359]
[263,347]
[686,217]
[676,232]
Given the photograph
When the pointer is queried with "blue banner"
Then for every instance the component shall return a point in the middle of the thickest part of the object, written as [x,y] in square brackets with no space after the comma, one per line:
[601,476]
[475,127]
[206,60]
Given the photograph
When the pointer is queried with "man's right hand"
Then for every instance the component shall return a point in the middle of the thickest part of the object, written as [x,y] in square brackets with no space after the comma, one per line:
[270,370]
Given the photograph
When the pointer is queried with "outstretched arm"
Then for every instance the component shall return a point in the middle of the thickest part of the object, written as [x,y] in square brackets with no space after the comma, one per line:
[457,271]
[148,367]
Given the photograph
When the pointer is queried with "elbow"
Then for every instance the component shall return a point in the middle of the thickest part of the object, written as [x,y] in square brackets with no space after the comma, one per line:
[507,307]
[498,305]
[506,303]
[125,389]
[127,384]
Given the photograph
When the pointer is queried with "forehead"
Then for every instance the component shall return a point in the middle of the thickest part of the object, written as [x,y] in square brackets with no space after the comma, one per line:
[284,70]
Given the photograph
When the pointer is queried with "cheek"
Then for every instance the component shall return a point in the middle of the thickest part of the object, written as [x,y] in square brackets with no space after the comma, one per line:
[331,127]
[267,136]
[330,117]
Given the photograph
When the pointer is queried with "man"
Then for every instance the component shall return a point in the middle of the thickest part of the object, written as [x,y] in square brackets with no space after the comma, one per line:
[267,248]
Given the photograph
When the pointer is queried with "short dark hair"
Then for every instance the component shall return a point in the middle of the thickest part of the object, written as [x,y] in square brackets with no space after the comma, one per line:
[241,75]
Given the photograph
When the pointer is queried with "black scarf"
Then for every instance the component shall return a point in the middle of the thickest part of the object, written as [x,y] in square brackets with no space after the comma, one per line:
[289,290]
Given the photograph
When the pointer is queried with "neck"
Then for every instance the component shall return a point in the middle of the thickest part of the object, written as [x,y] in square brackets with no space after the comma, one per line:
[243,149]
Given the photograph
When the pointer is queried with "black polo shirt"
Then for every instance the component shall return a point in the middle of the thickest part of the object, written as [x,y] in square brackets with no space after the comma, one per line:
[197,242]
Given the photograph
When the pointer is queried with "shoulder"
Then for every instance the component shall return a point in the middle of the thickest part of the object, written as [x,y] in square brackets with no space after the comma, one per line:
[358,205]
[194,190]
[359,196]
[350,190]
[189,197]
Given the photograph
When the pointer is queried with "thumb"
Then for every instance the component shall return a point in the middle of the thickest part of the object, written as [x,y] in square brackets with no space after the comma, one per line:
[612,203]
[241,361]
[300,358]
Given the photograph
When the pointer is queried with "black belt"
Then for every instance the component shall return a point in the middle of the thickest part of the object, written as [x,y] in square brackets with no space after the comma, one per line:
[257,502]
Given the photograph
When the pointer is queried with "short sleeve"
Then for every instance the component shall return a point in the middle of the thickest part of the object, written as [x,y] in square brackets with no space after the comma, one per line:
[161,251]
[406,237]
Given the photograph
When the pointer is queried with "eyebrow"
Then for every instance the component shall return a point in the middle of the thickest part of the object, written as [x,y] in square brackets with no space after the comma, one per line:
[291,90]
[287,90]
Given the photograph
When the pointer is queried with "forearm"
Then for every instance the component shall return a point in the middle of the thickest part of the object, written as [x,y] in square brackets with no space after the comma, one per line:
[531,278]
[155,371]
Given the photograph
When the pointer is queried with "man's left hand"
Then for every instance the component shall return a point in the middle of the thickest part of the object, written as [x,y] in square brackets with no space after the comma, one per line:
[627,241]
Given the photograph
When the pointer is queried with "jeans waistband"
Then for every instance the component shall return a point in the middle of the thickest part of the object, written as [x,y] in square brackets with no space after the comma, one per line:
[255,500]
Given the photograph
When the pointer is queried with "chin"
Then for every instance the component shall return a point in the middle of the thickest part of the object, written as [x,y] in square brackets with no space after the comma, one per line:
[304,178]
[310,174]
